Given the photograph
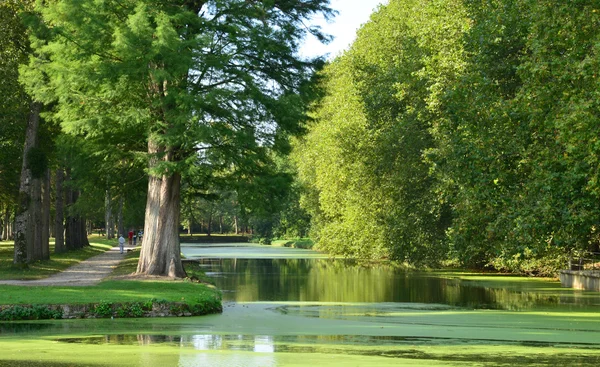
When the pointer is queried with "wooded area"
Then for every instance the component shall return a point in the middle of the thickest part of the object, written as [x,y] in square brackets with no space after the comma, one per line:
[463,131]
[451,132]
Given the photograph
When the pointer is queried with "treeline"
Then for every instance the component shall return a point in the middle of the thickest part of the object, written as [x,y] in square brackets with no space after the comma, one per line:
[464,131]
[54,184]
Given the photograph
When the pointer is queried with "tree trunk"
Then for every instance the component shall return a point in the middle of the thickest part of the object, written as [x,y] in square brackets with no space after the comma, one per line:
[108,216]
[59,230]
[121,228]
[235,221]
[83,232]
[160,253]
[75,229]
[24,237]
[209,226]
[3,223]
[46,217]
[36,226]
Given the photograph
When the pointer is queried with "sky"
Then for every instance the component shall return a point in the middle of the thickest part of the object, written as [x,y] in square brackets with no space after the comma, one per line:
[352,14]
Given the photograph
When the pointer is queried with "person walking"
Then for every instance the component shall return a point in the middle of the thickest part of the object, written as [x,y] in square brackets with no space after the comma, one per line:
[121,243]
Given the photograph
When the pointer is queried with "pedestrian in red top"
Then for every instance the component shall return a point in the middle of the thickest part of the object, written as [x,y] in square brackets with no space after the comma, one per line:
[130,237]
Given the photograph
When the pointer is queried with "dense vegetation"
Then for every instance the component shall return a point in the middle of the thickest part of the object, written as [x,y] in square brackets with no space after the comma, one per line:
[460,130]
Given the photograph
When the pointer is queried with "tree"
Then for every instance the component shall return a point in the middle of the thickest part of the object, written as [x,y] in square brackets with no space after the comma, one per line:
[369,191]
[201,78]
[14,104]
[13,108]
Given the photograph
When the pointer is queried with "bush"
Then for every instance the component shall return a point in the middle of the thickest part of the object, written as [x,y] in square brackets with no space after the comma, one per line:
[35,312]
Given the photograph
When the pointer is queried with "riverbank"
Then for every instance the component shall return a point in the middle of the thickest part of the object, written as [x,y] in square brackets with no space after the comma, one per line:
[109,299]
[102,286]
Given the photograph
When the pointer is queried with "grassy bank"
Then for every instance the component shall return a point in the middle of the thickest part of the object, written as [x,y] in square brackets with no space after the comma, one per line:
[112,297]
[304,243]
[109,299]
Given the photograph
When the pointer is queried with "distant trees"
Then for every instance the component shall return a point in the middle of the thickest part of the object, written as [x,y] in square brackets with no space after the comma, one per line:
[460,130]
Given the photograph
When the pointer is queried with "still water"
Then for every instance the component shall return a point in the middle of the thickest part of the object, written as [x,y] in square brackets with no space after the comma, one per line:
[289,307]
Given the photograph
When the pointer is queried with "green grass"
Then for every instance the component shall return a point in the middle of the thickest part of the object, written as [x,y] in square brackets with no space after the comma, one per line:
[304,243]
[110,291]
[128,265]
[57,262]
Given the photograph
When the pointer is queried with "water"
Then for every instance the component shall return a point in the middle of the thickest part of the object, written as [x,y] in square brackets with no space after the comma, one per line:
[297,308]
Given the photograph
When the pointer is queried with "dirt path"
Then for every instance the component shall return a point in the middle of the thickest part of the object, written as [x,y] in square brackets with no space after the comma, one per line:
[87,272]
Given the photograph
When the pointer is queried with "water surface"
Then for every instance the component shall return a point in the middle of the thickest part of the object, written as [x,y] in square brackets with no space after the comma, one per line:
[291,307]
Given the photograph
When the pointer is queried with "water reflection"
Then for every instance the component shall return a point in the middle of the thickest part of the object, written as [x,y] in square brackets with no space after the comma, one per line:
[268,344]
[326,280]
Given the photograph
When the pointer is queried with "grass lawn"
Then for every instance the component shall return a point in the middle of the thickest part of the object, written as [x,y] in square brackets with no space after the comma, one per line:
[110,291]
[57,262]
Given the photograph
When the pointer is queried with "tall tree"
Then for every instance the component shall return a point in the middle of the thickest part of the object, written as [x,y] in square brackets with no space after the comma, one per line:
[199,77]
[369,191]
[14,109]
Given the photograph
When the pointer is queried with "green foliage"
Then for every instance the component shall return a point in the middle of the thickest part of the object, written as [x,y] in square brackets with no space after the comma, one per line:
[33,312]
[103,309]
[14,104]
[134,309]
[368,189]
[460,130]
[182,78]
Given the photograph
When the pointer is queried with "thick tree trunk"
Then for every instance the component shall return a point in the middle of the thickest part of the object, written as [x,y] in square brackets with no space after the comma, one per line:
[235,221]
[59,226]
[84,232]
[23,236]
[160,253]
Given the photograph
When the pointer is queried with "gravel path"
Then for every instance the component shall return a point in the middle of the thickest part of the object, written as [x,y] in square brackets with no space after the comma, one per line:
[87,272]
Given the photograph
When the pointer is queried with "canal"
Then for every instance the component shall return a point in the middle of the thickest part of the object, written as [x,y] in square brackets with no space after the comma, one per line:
[291,307]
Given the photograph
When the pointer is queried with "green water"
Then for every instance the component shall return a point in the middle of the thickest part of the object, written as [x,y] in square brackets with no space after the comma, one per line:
[295,308]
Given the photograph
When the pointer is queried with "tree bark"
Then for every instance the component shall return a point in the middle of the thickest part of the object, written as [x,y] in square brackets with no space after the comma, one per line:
[46,216]
[23,236]
[3,228]
[36,226]
[121,228]
[75,229]
[108,216]
[160,253]
[59,226]
[209,225]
